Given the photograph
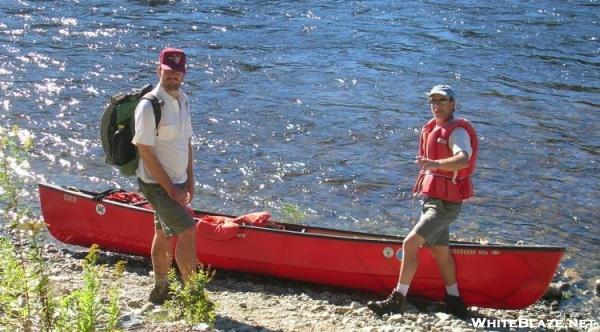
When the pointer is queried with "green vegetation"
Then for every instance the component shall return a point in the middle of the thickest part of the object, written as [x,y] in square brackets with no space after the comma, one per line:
[30,301]
[85,309]
[14,147]
[25,291]
[191,302]
[292,213]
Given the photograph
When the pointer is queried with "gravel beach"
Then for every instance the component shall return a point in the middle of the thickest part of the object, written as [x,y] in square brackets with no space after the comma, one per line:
[256,303]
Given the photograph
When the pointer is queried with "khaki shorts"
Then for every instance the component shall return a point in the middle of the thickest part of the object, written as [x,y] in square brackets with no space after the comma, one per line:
[436,217]
[169,216]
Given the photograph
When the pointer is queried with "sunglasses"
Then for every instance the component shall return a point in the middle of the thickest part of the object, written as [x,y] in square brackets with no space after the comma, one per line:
[438,101]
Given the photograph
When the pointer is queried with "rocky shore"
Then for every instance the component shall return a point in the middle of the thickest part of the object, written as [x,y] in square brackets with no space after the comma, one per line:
[251,303]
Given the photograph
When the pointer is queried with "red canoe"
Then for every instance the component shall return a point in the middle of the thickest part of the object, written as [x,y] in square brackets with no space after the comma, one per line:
[490,275]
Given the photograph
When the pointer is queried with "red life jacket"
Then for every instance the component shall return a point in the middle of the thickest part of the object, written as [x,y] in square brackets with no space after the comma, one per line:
[434,144]
[225,228]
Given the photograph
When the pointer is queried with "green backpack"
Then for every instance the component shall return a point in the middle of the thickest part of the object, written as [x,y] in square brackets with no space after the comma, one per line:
[118,128]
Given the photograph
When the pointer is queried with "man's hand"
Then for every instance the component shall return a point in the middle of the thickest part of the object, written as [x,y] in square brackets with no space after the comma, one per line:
[179,195]
[426,164]
[190,193]
[190,174]
[451,164]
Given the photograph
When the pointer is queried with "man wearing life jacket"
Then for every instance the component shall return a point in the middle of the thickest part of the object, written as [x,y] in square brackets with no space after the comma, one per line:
[447,155]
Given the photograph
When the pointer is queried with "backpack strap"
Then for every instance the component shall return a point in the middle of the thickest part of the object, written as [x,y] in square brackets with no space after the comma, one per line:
[156,107]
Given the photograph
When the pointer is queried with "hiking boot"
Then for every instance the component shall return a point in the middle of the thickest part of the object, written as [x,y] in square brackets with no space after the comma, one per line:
[456,306]
[159,294]
[394,303]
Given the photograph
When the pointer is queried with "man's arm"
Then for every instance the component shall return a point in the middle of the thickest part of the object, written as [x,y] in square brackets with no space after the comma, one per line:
[190,173]
[155,169]
[451,164]
[460,145]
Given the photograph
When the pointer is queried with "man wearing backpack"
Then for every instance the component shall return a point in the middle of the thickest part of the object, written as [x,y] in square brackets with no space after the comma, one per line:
[165,172]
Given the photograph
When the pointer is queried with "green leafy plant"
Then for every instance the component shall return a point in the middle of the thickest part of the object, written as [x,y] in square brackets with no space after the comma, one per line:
[114,309]
[26,294]
[88,303]
[43,289]
[191,303]
[84,310]
[14,146]
[28,301]
[25,299]
[292,213]
[14,293]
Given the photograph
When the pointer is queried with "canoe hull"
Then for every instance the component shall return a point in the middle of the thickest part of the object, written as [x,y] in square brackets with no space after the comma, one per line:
[494,276]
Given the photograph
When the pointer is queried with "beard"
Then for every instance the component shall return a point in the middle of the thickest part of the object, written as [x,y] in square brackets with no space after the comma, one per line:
[171,86]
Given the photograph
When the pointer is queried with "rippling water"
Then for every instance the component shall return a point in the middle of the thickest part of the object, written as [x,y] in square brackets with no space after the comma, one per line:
[318,104]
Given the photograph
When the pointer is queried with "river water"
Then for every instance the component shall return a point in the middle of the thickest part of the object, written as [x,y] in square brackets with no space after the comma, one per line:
[314,107]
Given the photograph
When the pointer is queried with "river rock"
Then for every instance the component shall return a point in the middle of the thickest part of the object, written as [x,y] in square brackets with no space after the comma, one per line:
[136,303]
[75,267]
[147,307]
[387,328]
[555,290]
[50,248]
[129,321]
[59,279]
[202,327]
[597,287]
[396,319]
[572,275]
[341,310]
[442,316]
[317,308]
[362,311]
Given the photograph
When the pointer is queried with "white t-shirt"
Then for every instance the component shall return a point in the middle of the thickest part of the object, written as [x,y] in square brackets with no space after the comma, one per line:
[174,133]
[460,141]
